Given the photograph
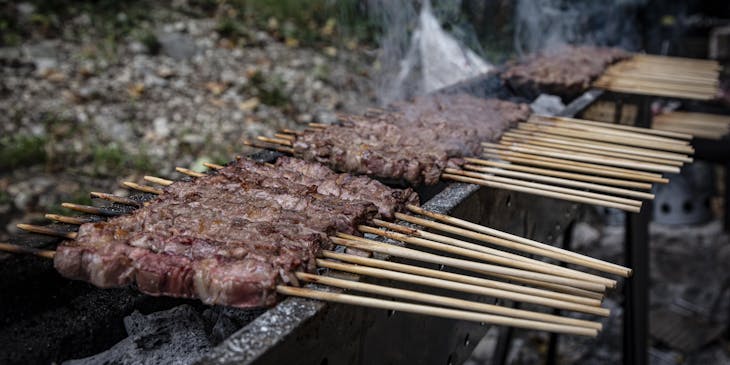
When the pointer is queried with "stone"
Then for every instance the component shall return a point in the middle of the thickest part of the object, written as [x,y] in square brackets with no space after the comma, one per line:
[162,128]
[176,45]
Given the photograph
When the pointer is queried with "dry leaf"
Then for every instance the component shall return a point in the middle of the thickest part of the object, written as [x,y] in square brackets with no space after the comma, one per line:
[249,104]
[291,42]
[216,88]
[135,90]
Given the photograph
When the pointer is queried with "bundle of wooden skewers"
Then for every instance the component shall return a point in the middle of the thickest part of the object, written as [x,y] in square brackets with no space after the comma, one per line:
[703,125]
[663,76]
[468,247]
[563,157]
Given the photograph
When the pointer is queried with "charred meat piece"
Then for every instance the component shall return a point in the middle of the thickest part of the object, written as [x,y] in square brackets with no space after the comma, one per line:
[376,147]
[227,238]
[415,141]
[294,173]
[347,186]
[566,71]
[461,122]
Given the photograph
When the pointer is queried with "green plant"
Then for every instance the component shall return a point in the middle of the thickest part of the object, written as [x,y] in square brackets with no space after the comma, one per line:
[150,41]
[19,150]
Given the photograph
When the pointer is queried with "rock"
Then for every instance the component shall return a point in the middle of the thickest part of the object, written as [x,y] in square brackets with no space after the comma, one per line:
[177,45]
[137,47]
[25,9]
[304,118]
[10,53]
[165,72]
[151,79]
[44,65]
[162,128]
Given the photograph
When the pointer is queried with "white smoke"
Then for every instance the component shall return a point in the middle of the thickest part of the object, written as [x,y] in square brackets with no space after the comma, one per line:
[432,59]
[546,24]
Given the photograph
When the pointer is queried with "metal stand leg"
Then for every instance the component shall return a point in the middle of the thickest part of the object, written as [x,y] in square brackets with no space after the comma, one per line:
[552,353]
[504,344]
[726,209]
[636,289]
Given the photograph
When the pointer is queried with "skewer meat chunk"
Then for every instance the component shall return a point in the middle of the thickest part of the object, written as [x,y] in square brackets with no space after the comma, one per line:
[347,187]
[461,122]
[415,141]
[376,147]
[566,71]
[228,238]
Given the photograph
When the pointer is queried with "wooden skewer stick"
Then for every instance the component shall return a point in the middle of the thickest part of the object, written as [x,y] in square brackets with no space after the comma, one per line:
[370,245]
[565,255]
[47,254]
[575,167]
[417,233]
[643,73]
[550,286]
[607,85]
[67,219]
[432,311]
[46,231]
[158,180]
[563,174]
[460,287]
[115,199]
[318,125]
[291,131]
[596,167]
[213,166]
[690,62]
[142,188]
[555,147]
[90,209]
[541,192]
[444,301]
[682,87]
[466,279]
[592,129]
[566,182]
[584,157]
[284,136]
[274,147]
[189,172]
[509,241]
[607,138]
[546,187]
[283,142]
[615,126]
[602,146]
[476,252]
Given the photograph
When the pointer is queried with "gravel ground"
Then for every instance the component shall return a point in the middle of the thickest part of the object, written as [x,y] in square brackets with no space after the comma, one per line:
[75,118]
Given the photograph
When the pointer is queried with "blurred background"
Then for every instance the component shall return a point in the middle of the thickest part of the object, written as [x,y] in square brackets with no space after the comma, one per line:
[93,93]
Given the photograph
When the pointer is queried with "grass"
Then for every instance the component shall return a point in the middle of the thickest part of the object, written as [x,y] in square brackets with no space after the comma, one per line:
[112,160]
[22,150]
[309,23]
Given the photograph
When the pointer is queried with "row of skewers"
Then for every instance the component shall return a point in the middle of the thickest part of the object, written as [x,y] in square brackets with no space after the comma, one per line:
[663,76]
[703,125]
[579,160]
[572,159]
[497,273]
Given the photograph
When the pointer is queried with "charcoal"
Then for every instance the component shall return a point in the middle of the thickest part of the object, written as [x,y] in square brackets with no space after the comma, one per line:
[175,336]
